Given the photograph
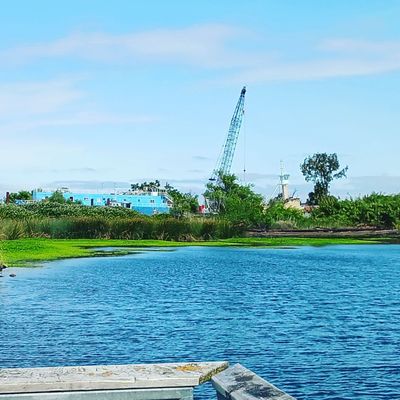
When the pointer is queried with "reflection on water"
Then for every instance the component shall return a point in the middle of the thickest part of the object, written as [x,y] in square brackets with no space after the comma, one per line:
[321,323]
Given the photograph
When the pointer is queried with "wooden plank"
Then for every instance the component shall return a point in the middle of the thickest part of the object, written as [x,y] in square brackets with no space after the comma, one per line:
[107,377]
[239,383]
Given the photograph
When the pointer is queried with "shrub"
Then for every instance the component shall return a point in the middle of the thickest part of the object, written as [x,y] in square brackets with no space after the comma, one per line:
[12,230]
[277,212]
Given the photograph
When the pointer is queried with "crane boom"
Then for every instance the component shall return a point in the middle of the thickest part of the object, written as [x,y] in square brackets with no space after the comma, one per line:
[224,163]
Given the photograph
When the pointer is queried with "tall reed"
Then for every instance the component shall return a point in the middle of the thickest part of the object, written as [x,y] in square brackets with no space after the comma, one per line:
[99,227]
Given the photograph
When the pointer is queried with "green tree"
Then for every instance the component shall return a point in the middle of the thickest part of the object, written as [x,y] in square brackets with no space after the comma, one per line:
[183,203]
[21,195]
[235,202]
[152,186]
[321,169]
[57,197]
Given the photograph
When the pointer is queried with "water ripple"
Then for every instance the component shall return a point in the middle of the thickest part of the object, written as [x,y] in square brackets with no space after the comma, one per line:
[322,323]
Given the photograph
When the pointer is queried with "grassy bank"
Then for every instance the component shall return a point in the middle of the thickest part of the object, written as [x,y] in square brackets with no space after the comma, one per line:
[26,252]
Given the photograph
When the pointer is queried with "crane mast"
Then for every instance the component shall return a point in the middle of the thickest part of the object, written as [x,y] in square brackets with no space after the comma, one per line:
[224,163]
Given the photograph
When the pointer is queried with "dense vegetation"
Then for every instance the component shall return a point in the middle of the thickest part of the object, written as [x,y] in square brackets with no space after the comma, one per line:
[235,202]
[73,221]
[234,208]
[241,211]
[61,210]
[376,210]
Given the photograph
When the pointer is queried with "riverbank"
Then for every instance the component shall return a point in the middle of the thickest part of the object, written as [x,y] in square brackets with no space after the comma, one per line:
[33,252]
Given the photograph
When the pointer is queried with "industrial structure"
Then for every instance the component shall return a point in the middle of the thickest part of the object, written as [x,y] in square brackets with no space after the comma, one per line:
[284,183]
[225,159]
[283,191]
[224,162]
[148,203]
[157,201]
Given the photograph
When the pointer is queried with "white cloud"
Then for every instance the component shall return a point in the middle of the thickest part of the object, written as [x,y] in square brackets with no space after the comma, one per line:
[318,69]
[32,98]
[26,152]
[73,119]
[200,45]
[26,106]
[336,58]
[390,48]
[356,185]
[219,46]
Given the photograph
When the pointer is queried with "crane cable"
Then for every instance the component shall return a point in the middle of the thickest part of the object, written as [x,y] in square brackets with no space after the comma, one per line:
[244,146]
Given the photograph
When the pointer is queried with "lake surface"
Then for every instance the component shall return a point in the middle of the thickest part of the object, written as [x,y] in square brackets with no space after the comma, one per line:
[321,323]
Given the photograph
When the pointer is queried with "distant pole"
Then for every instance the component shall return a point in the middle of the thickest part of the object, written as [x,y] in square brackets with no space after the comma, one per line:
[244,145]
[284,179]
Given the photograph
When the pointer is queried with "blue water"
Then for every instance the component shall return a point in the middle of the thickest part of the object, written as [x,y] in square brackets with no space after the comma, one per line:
[321,323]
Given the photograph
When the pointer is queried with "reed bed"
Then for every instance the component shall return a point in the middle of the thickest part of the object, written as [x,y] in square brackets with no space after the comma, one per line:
[118,228]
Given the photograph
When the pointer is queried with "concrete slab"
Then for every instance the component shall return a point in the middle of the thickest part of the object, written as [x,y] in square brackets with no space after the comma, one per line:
[106,377]
[239,383]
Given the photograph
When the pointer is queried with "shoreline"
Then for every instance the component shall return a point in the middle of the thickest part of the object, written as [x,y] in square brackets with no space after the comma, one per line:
[35,252]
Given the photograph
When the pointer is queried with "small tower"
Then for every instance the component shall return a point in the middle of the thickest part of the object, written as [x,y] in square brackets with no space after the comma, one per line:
[284,179]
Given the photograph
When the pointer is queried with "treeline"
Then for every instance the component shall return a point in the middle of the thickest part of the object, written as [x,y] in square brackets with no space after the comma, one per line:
[233,209]
[372,211]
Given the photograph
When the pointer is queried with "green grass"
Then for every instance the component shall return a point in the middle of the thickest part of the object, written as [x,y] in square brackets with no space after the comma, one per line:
[28,252]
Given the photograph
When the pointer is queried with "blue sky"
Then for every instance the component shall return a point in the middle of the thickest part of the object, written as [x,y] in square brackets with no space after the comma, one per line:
[98,94]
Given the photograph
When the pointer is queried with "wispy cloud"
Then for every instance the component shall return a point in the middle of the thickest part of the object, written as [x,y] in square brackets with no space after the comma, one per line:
[219,46]
[54,103]
[200,45]
[201,158]
[389,48]
[367,184]
[33,98]
[335,58]
[75,170]
[88,185]
[255,176]
[74,119]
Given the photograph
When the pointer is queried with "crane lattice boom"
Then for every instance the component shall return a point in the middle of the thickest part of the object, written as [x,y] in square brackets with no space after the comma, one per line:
[225,161]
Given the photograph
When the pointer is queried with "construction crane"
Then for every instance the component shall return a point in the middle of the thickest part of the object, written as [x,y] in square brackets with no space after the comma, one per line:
[224,163]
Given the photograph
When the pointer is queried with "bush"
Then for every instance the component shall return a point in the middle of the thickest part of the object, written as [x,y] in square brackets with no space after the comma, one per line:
[58,210]
[277,215]
[12,230]
[375,210]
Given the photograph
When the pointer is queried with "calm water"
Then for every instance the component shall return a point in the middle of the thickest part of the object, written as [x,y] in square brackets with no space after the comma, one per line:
[321,323]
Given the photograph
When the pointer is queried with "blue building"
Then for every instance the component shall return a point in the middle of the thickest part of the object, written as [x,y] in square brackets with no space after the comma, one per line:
[148,203]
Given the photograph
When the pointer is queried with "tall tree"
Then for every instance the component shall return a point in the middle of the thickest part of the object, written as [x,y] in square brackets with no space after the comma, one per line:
[183,203]
[57,197]
[235,202]
[321,169]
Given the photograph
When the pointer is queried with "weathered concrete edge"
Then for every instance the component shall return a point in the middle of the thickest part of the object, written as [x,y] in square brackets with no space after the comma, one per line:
[112,377]
[239,383]
[218,369]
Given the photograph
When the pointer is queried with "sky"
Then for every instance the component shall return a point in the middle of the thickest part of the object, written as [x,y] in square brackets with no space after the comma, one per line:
[95,95]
